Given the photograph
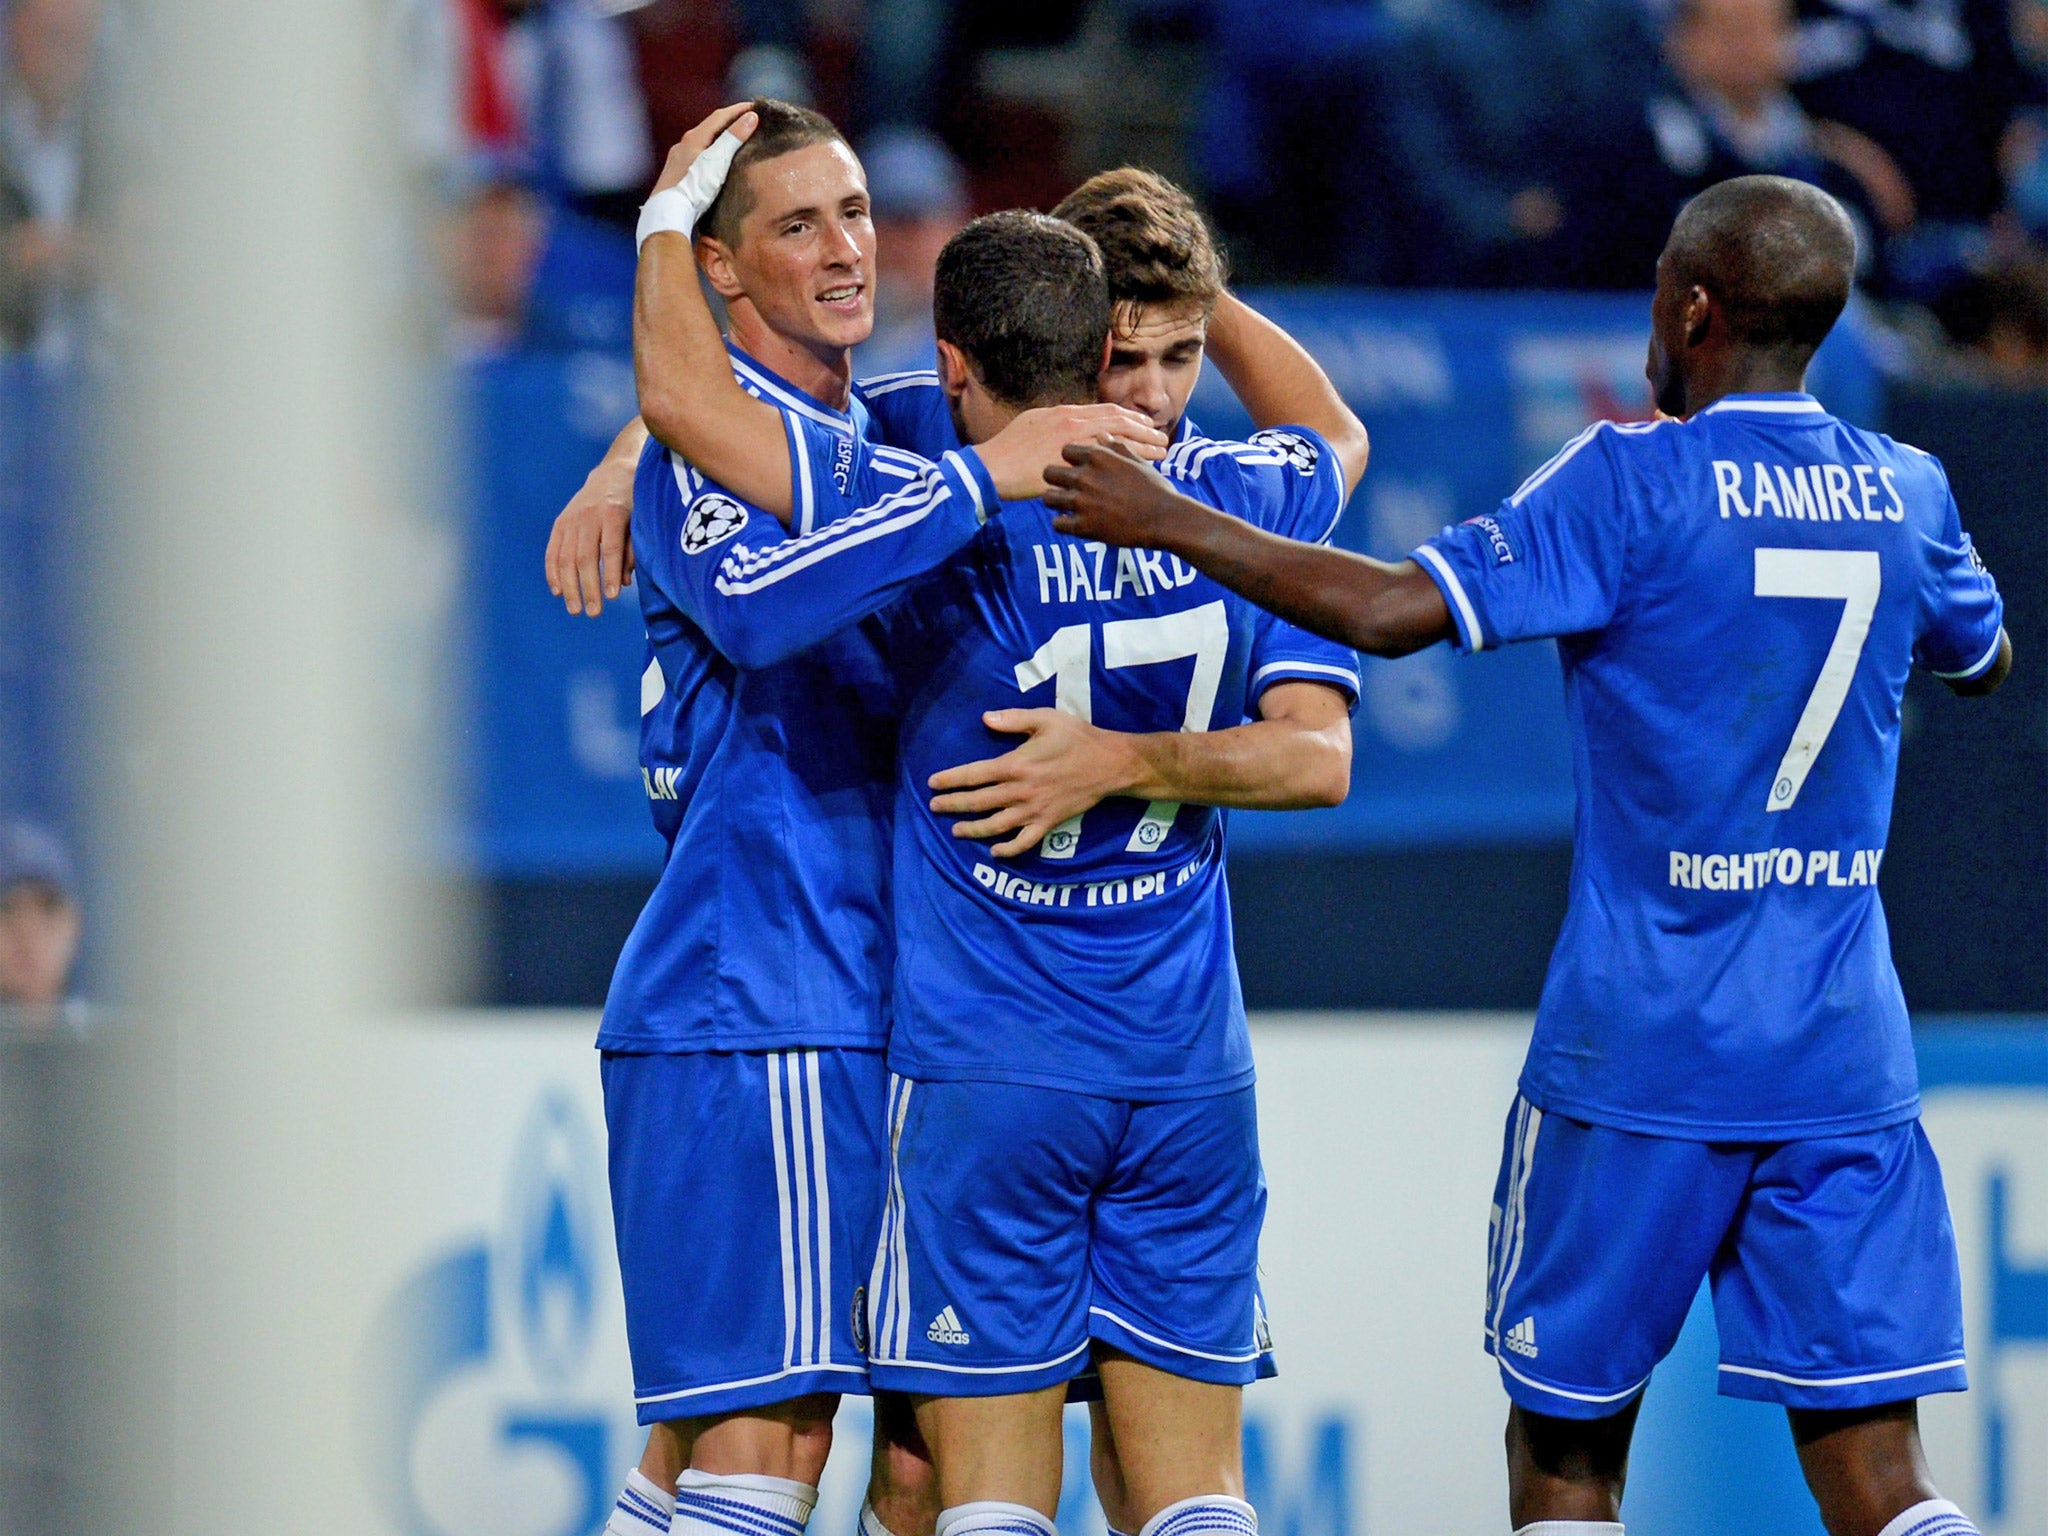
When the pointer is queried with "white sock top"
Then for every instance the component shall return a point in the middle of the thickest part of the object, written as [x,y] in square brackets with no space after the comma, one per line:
[786,1503]
[993,1517]
[645,1508]
[1930,1517]
[870,1522]
[1572,1528]
[1208,1513]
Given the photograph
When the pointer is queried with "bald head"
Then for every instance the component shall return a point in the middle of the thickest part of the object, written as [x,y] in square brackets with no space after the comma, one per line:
[1778,255]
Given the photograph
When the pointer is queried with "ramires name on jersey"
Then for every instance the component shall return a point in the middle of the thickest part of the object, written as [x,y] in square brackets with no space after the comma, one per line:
[1818,493]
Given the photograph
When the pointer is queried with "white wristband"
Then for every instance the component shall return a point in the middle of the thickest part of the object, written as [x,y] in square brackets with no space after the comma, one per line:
[677,209]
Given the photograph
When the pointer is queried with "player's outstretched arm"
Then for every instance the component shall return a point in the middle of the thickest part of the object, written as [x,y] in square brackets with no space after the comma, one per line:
[1279,384]
[1296,756]
[688,395]
[590,552]
[1989,679]
[1369,605]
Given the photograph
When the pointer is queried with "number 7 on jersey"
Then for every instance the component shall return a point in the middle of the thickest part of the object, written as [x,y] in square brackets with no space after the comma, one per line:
[1852,577]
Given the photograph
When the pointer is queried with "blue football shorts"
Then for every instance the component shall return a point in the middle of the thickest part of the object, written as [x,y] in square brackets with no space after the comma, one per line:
[1023,1223]
[746,1189]
[1832,1261]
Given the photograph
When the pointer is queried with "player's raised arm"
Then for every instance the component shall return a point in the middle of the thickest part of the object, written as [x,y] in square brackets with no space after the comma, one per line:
[1279,384]
[1369,605]
[689,398]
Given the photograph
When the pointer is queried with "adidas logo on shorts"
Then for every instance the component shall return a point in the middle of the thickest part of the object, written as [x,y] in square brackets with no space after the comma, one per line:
[946,1329]
[1522,1338]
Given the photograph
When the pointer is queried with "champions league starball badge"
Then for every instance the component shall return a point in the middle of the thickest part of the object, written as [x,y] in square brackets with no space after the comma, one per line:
[713,519]
[1291,446]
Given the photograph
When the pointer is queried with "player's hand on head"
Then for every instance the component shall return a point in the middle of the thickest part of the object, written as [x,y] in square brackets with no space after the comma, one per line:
[1103,494]
[1065,766]
[1017,456]
[590,551]
[740,117]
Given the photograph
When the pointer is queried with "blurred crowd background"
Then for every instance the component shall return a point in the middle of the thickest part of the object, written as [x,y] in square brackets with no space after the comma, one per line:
[1393,143]
[1369,163]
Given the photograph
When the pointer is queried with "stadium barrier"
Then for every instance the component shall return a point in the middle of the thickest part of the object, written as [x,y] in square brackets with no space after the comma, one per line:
[496,1397]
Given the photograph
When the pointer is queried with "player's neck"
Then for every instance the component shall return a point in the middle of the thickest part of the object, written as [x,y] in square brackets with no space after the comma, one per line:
[1738,373]
[823,373]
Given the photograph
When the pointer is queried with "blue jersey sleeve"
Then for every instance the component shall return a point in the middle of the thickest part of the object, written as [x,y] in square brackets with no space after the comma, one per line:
[878,521]
[1549,561]
[909,410]
[1286,480]
[1965,614]
[1283,654]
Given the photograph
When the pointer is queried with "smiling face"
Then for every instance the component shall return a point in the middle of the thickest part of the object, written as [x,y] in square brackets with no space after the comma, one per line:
[1155,359]
[804,258]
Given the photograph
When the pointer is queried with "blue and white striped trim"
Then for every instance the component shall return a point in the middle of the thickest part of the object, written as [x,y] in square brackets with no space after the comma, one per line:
[1981,665]
[894,461]
[1206,1512]
[1511,1231]
[1554,463]
[889,1282]
[796,1113]
[1185,460]
[1468,621]
[1571,1397]
[1794,405]
[889,383]
[749,569]
[698,1507]
[749,1381]
[1865,1379]
[1180,1349]
[1306,670]
[991,1517]
[965,471]
[1930,1517]
[789,399]
[804,497]
[984,1370]
[640,1507]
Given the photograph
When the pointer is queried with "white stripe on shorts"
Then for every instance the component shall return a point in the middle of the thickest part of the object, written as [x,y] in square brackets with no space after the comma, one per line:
[878,1276]
[800,1166]
[824,1209]
[782,1201]
[1515,1228]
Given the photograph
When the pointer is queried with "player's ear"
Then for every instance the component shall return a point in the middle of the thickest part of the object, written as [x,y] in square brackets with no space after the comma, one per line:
[716,261]
[954,374]
[1699,315]
[1108,346]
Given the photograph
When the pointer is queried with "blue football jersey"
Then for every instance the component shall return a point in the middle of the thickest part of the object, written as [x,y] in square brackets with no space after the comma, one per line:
[1738,599]
[767,763]
[1102,961]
